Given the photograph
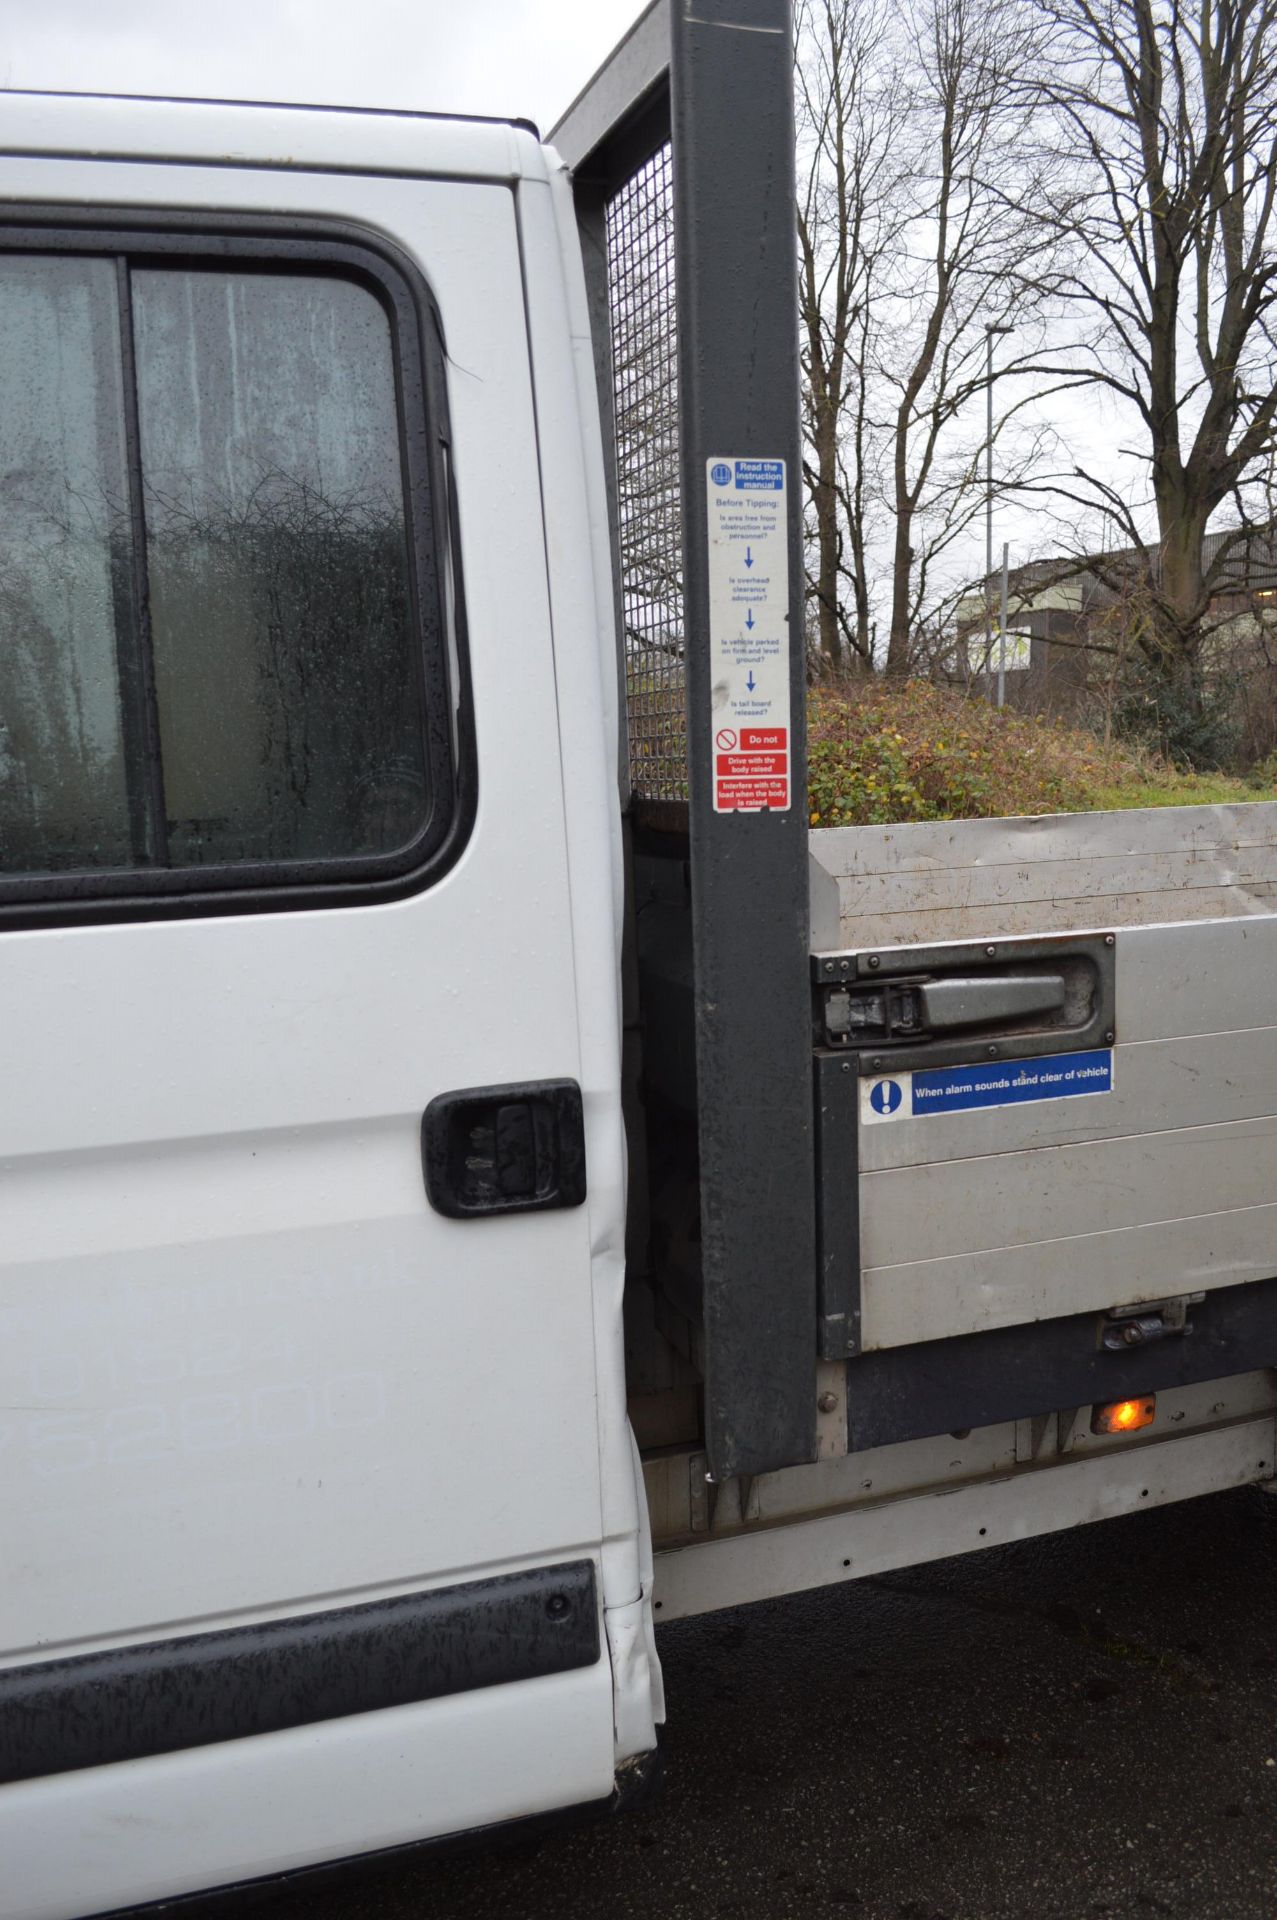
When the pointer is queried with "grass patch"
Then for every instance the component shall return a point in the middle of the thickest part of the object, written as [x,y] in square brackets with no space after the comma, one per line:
[879,753]
[1181,790]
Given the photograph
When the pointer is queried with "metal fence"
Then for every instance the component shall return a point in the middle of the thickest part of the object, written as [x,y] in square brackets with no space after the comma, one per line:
[640,252]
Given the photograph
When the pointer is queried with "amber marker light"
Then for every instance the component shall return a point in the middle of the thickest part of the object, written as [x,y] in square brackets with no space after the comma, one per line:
[1124,1416]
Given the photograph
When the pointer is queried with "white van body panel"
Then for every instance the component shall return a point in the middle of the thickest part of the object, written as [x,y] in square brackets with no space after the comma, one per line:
[250,1373]
[251,1808]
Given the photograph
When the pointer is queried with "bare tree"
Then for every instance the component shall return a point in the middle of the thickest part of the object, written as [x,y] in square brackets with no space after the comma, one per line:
[849,101]
[1162,124]
[973,258]
[915,234]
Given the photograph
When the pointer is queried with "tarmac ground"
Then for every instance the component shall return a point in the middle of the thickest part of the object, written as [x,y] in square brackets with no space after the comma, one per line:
[1079,1726]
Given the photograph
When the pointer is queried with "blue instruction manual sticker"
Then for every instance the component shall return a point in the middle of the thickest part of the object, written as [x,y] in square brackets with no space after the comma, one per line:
[1061,1076]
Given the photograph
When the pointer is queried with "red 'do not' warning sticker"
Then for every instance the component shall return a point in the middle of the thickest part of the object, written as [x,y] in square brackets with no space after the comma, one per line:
[749,633]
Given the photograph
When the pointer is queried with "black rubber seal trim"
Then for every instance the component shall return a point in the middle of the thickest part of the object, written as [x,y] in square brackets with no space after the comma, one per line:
[132,1702]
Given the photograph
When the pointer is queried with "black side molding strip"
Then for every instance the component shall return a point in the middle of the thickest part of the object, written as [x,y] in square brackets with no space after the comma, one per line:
[130,1702]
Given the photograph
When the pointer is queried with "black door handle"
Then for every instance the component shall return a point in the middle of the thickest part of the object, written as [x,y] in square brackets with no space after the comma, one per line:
[511,1149]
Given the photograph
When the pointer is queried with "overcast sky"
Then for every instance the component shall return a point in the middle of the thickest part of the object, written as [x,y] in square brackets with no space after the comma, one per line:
[515,57]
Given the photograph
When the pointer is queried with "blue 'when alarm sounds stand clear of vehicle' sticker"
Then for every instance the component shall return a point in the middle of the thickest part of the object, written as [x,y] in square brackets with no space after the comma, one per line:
[1060,1076]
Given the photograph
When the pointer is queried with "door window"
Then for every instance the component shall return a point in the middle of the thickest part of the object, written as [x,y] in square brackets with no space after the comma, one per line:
[65,576]
[214,625]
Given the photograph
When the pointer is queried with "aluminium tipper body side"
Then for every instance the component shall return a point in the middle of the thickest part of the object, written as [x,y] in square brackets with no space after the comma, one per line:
[990,1215]
[1074,1208]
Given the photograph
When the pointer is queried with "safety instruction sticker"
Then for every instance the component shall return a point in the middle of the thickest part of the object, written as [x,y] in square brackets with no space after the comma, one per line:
[901,1096]
[749,634]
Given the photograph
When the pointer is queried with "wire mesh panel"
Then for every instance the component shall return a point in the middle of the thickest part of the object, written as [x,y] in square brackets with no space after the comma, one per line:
[640,249]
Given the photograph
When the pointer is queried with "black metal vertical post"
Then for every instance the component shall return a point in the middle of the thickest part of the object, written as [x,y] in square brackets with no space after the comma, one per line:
[736,265]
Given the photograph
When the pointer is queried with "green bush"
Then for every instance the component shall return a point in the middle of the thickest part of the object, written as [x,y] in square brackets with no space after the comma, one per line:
[879,751]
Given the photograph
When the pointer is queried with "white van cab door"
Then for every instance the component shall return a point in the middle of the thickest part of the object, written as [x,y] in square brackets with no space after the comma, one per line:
[301,1296]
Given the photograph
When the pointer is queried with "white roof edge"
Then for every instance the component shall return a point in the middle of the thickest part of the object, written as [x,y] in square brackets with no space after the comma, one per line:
[247,134]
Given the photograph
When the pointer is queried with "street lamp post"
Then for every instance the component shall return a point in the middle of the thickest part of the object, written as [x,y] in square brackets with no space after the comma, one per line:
[989,332]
